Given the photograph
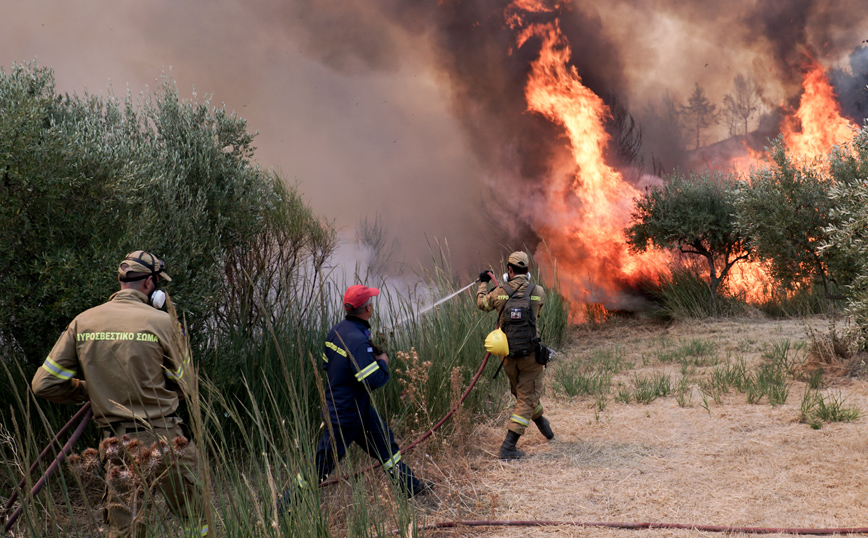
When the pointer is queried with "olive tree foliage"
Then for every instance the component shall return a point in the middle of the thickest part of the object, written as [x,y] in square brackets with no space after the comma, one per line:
[848,231]
[60,209]
[87,179]
[695,215]
[785,210]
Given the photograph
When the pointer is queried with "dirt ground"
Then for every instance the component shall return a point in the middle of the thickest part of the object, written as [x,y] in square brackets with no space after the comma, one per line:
[730,464]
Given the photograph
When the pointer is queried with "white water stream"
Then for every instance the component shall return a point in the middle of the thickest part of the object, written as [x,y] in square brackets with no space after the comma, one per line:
[404,320]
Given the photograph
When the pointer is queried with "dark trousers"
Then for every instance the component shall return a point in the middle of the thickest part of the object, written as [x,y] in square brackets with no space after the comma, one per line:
[375,437]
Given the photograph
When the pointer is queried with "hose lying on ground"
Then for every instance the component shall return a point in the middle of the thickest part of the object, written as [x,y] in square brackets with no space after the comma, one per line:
[705,528]
[85,415]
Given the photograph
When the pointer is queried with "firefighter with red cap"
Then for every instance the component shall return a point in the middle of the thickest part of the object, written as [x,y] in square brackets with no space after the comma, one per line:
[518,302]
[123,356]
[354,367]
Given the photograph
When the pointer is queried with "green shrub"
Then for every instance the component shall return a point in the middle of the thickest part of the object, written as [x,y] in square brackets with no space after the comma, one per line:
[817,409]
[684,294]
[848,237]
[648,389]
[571,381]
[86,180]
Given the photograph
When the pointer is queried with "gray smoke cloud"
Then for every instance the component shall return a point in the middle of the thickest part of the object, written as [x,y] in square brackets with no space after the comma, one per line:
[415,111]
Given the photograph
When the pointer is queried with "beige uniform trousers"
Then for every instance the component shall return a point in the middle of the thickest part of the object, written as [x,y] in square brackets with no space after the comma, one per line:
[526,384]
[134,475]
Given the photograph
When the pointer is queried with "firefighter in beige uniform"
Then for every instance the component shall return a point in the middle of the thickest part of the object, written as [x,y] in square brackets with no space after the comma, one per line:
[524,372]
[124,357]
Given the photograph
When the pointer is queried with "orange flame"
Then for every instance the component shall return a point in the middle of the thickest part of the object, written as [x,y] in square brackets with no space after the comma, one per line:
[590,208]
[817,125]
[809,133]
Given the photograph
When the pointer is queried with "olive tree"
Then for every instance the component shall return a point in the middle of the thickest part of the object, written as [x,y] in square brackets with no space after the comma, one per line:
[848,231]
[695,215]
[84,180]
[786,210]
[61,208]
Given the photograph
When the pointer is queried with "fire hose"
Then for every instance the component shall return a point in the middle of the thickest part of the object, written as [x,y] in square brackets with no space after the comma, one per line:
[84,414]
[616,525]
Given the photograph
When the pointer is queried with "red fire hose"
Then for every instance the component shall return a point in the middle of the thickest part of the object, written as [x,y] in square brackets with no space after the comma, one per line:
[705,528]
[84,414]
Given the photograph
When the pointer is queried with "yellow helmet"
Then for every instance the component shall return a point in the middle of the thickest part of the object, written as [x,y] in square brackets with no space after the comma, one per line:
[496,343]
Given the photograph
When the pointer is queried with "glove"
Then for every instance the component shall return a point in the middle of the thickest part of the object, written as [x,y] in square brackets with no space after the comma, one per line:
[485,276]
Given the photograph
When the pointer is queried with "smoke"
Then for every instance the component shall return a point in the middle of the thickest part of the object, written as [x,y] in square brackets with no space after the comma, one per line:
[415,111]
[851,85]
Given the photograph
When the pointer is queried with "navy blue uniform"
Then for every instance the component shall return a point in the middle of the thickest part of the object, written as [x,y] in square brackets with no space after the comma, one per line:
[352,371]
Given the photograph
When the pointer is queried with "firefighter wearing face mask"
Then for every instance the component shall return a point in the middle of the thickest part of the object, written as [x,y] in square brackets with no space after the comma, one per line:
[124,357]
[518,302]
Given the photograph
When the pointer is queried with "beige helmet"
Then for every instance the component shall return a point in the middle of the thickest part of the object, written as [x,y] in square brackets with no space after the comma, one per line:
[519,259]
[142,262]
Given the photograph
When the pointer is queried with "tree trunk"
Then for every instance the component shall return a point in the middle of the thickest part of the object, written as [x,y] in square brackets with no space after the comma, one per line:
[713,282]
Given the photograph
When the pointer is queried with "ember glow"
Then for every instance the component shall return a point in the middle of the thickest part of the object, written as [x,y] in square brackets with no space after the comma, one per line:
[817,125]
[589,207]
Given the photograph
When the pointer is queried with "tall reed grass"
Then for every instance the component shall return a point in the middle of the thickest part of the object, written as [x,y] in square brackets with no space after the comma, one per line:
[256,415]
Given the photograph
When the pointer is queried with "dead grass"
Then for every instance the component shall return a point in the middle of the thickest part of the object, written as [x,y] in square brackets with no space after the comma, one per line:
[733,464]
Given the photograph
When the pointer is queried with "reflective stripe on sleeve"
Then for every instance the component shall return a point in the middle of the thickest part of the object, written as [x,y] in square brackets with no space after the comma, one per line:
[391,462]
[538,409]
[177,374]
[191,532]
[57,370]
[368,370]
[325,358]
[336,349]
[520,420]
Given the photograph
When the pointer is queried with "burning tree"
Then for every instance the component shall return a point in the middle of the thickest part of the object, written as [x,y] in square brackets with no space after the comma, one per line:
[786,211]
[695,215]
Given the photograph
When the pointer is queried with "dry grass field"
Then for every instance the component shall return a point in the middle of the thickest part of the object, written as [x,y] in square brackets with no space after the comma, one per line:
[685,458]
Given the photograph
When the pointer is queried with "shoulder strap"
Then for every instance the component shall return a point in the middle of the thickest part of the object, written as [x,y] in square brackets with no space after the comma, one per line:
[528,291]
[508,289]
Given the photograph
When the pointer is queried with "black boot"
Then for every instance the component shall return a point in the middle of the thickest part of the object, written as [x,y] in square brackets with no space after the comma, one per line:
[422,487]
[544,427]
[410,485]
[508,450]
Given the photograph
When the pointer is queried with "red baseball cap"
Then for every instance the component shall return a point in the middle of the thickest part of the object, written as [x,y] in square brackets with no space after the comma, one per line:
[357,295]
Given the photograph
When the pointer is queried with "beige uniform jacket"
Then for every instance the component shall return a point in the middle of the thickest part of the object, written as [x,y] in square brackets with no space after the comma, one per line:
[126,351]
[496,298]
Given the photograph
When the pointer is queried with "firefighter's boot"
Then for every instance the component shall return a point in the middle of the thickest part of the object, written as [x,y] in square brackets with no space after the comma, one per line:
[508,450]
[544,427]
